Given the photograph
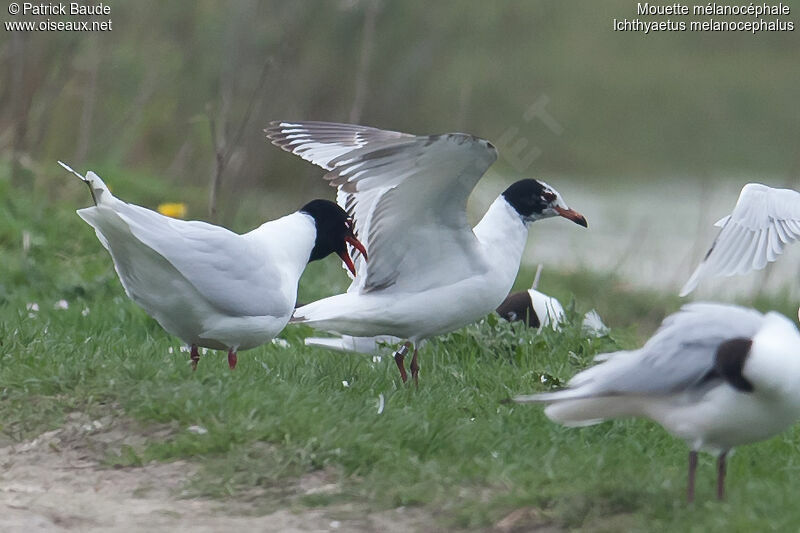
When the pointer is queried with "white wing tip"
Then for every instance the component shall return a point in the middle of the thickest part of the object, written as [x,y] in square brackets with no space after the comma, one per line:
[325,342]
[691,284]
[535,398]
[529,398]
[71,170]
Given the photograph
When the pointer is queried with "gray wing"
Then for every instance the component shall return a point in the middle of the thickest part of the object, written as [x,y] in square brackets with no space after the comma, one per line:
[763,222]
[323,142]
[407,194]
[679,356]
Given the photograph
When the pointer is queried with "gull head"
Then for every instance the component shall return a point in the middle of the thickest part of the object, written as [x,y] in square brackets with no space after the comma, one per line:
[535,200]
[335,230]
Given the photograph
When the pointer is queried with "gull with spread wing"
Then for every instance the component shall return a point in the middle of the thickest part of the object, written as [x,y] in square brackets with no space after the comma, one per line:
[207,285]
[714,375]
[763,222]
[429,271]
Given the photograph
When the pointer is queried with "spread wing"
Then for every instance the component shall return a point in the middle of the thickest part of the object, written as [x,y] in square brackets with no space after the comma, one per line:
[406,193]
[763,222]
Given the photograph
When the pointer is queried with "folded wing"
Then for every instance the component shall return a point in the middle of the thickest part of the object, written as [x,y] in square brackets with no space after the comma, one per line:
[679,356]
[226,270]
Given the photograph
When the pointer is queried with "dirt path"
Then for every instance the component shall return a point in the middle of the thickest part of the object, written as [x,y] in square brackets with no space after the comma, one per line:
[56,482]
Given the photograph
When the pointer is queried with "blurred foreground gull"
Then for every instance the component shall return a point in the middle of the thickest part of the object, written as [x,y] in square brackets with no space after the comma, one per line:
[716,376]
[207,285]
[429,271]
[763,222]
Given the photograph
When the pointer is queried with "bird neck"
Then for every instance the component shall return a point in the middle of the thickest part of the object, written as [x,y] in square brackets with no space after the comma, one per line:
[773,365]
[290,240]
[503,235]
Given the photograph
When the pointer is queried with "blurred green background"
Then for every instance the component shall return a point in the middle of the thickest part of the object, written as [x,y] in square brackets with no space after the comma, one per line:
[549,82]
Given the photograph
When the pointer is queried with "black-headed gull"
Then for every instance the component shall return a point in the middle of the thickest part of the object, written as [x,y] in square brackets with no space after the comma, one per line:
[762,223]
[429,271]
[716,376]
[207,285]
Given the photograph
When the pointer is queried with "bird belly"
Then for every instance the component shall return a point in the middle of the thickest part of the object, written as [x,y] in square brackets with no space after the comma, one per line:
[721,419]
[241,332]
[407,315]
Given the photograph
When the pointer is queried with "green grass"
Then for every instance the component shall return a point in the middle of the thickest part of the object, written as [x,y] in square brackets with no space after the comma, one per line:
[455,446]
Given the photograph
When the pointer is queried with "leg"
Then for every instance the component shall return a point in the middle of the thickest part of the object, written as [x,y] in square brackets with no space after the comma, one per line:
[194,356]
[692,470]
[415,367]
[721,471]
[399,358]
[232,358]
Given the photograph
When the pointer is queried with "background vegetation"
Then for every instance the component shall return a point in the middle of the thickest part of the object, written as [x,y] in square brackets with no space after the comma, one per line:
[627,106]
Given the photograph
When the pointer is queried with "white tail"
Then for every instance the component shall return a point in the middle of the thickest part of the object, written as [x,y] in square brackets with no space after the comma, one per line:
[97,188]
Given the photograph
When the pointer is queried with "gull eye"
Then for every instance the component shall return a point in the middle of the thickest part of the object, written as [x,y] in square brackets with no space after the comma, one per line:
[548,196]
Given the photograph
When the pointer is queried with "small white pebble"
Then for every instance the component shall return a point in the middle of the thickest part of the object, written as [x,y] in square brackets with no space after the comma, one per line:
[170,350]
[381,403]
[61,304]
[197,430]
[32,306]
[543,378]
[283,343]
[345,383]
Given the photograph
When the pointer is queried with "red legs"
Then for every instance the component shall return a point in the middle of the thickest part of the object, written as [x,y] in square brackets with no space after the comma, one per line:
[721,471]
[194,356]
[399,358]
[692,471]
[415,367]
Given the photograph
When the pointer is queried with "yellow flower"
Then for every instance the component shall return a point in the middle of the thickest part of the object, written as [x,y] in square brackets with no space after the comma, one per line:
[173,209]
